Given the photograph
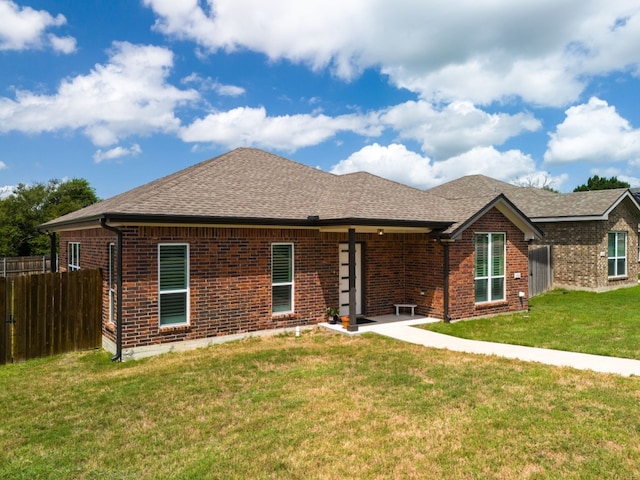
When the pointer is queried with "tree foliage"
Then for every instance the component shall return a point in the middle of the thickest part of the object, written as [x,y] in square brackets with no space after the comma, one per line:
[601,183]
[32,205]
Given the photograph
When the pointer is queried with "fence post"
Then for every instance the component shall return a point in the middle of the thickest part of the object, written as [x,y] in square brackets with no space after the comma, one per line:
[4,267]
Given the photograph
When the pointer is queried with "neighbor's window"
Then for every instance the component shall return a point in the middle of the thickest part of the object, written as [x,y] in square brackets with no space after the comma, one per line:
[489,267]
[617,254]
[173,275]
[281,278]
[73,256]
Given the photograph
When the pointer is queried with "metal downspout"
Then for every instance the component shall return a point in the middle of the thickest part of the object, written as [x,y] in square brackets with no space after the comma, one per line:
[118,355]
[53,251]
[445,246]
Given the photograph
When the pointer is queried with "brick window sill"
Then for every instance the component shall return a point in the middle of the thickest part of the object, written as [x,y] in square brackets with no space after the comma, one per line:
[487,305]
[174,328]
[111,327]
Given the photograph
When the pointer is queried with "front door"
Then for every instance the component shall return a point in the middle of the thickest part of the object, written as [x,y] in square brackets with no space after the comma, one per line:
[344,279]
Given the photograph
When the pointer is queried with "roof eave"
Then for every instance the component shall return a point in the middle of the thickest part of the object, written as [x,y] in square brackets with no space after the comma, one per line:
[576,218]
[310,221]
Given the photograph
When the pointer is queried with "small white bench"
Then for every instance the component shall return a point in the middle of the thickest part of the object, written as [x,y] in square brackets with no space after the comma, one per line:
[398,306]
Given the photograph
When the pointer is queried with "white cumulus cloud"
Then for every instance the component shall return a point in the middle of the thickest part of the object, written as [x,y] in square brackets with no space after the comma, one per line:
[6,190]
[456,127]
[117,152]
[481,51]
[24,28]
[127,96]
[213,85]
[245,126]
[396,162]
[593,132]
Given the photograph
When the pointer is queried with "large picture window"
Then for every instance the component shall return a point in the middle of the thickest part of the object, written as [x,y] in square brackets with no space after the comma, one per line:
[617,254]
[173,276]
[489,267]
[281,278]
[73,256]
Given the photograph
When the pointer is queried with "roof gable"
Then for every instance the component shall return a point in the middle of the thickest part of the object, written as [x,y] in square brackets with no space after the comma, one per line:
[538,204]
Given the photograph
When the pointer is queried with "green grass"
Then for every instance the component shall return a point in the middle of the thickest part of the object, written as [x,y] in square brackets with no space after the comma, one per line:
[321,406]
[599,323]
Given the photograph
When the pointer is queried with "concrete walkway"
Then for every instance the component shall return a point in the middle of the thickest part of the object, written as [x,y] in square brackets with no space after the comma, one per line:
[406,332]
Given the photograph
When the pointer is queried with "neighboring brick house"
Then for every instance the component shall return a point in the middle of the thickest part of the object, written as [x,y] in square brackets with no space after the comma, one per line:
[250,242]
[593,235]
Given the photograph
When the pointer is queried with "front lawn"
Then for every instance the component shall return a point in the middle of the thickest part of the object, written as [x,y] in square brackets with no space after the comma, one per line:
[600,323]
[319,406]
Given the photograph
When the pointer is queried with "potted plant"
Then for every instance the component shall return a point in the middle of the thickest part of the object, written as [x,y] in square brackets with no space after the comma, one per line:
[332,315]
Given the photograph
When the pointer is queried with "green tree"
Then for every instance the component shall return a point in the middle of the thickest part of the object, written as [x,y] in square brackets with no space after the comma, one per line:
[31,205]
[601,183]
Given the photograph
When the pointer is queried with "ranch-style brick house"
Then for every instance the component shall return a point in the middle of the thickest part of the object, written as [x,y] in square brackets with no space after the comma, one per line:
[592,236]
[250,242]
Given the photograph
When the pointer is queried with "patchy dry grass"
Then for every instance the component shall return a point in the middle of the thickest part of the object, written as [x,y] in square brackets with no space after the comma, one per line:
[319,406]
[599,323]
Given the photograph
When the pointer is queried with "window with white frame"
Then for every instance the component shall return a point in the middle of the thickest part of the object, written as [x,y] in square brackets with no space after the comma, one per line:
[173,279]
[112,282]
[73,258]
[489,267]
[281,278]
[617,254]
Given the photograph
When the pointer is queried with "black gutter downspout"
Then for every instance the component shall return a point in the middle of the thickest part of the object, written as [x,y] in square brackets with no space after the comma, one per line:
[118,355]
[53,251]
[445,246]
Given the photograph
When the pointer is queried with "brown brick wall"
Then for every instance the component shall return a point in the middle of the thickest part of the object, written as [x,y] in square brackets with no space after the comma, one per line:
[398,268]
[230,281]
[577,246]
[94,254]
[461,287]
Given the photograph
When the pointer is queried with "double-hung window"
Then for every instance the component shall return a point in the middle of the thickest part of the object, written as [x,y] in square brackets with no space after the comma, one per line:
[281,278]
[112,282]
[489,267]
[617,254]
[73,258]
[173,276]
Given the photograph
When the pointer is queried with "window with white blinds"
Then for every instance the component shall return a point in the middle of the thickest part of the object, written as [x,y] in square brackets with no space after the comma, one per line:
[489,267]
[281,278]
[173,279]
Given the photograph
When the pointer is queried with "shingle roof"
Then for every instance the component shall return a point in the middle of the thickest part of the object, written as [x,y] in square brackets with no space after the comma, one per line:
[536,203]
[253,184]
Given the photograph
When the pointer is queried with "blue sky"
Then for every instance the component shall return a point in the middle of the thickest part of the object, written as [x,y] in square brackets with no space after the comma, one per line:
[121,92]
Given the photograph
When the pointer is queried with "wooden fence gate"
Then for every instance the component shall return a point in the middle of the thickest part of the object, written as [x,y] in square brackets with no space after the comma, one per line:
[49,314]
[540,271]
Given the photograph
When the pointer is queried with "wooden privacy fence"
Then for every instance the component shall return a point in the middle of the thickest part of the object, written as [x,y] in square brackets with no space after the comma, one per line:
[49,314]
[11,266]
[540,272]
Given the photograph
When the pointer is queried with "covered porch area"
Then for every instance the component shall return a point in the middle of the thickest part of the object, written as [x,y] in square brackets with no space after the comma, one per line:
[369,323]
